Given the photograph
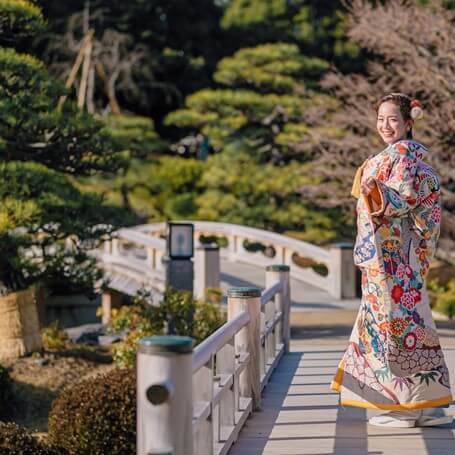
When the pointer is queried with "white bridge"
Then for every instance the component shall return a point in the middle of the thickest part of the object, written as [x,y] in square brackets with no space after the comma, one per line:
[232,371]
[133,259]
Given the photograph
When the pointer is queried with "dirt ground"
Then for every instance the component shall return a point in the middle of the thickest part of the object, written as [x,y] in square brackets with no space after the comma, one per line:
[39,378]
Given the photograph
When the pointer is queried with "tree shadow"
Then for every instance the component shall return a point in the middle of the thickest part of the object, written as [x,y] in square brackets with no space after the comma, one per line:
[29,406]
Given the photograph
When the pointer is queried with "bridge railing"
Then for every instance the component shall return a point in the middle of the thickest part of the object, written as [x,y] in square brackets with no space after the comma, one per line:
[331,268]
[196,402]
[141,249]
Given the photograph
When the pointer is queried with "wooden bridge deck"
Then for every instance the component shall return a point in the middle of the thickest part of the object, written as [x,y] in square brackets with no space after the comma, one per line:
[300,414]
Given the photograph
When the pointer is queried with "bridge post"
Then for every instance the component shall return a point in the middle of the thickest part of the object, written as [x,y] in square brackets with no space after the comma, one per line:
[281,273]
[109,299]
[164,396]
[206,269]
[248,339]
[344,271]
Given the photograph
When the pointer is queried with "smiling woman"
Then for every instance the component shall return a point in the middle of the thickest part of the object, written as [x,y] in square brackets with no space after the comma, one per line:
[394,360]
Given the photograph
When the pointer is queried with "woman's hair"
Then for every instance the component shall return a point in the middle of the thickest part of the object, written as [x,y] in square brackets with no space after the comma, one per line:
[403,102]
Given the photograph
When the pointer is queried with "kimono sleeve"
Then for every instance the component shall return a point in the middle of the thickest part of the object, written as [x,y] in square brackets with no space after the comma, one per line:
[397,195]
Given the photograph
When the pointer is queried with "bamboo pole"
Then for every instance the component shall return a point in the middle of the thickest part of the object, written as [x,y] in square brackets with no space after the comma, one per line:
[77,64]
[85,74]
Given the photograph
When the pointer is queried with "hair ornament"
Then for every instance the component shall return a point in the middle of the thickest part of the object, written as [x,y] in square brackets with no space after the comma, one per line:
[416,110]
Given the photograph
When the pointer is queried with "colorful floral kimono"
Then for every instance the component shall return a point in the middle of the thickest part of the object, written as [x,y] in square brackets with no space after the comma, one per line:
[394,360]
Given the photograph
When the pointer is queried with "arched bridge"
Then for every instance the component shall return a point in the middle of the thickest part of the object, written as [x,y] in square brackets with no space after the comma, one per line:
[321,278]
[252,363]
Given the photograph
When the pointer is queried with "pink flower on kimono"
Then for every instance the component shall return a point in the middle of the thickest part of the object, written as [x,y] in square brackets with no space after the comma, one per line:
[397,292]
[401,271]
[409,271]
[435,214]
[420,333]
[410,341]
[407,300]
[416,295]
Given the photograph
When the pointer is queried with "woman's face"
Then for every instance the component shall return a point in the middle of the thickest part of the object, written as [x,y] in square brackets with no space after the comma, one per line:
[390,124]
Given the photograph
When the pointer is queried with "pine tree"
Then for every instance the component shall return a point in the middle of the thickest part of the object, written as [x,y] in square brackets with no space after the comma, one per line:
[47,225]
[261,107]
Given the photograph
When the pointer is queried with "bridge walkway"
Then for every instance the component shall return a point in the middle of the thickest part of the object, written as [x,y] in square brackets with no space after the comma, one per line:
[305,297]
[300,414]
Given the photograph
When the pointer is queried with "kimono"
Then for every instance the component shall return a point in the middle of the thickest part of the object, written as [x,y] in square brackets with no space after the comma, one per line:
[394,360]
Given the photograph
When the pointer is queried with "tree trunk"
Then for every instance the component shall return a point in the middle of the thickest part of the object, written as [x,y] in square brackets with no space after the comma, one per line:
[19,324]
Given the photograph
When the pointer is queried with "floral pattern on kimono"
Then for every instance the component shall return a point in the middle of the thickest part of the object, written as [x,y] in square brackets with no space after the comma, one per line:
[394,360]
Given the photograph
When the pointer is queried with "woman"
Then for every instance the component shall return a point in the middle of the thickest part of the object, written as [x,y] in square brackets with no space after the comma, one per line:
[394,361]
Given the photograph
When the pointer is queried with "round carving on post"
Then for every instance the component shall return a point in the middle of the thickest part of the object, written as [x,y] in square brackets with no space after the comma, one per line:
[158,394]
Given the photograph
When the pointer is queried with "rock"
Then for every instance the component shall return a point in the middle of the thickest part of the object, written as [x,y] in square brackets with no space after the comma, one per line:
[87,333]
[107,340]
[41,361]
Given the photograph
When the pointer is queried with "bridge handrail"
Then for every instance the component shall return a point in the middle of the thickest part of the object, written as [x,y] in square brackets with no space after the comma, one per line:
[330,269]
[238,230]
[135,235]
[211,345]
[228,371]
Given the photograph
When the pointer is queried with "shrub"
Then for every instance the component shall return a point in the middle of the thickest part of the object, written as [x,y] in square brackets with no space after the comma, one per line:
[177,314]
[54,338]
[5,391]
[15,440]
[442,297]
[97,416]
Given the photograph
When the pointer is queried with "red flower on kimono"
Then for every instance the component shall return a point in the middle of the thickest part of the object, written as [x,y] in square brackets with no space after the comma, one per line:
[384,169]
[398,326]
[401,148]
[410,341]
[416,295]
[397,292]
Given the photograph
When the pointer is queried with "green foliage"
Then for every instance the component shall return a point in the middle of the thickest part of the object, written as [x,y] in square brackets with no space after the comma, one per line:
[443,297]
[264,129]
[276,67]
[162,188]
[46,223]
[50,212]
[31,128]
[240,191]
[97,416]
[134,135]
[19,19]
[177,314]
[54,338]
[15,440]
[318,27]
[264,111]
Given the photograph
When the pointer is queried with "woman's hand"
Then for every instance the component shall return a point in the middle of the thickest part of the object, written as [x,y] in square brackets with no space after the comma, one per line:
[368,186]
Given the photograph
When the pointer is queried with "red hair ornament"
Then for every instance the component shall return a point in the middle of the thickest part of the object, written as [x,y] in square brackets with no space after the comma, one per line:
[416,110]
